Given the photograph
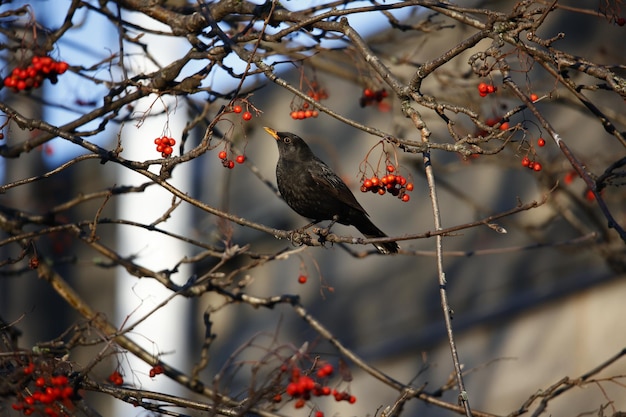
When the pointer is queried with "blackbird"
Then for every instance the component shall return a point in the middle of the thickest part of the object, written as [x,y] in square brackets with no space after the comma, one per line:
[313,190]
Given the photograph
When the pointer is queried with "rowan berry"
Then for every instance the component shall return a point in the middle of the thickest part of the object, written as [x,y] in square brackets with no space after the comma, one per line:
[222,155]
[61,67]
[237,109]
[240,159]
[541,142]
[302,279]
[246,116]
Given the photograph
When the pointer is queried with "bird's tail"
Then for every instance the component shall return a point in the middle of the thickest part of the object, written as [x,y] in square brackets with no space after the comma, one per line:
[370,230]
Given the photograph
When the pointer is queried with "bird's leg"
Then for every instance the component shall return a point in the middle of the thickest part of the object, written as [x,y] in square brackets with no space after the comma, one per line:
[322,233]
[302,229]
[325,231]
[297,236]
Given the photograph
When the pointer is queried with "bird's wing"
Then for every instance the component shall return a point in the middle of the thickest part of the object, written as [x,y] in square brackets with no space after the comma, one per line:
[335,186]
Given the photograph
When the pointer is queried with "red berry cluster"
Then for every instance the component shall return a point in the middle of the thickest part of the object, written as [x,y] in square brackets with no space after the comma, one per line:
[371,97]
[51,396]
[164,145]
[303,387]
[246,114]
[316,92]
[304,112]
[485,89]
[229,163]
[531,164]
[156,370]
[534,165]
[396,185]
[41,67]
[116,378]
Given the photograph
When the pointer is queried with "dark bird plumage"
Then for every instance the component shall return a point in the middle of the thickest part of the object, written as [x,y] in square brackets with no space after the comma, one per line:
[314,191]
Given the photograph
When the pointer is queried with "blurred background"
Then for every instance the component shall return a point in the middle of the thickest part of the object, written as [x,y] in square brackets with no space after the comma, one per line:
[531,306]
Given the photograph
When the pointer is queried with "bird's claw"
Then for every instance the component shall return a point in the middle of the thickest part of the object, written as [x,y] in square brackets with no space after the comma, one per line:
[299,238]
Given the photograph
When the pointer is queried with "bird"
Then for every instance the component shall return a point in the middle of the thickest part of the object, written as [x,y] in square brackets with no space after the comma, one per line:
[314,191]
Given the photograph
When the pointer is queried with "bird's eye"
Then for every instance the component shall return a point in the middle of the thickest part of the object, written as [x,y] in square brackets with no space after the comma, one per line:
[287,140]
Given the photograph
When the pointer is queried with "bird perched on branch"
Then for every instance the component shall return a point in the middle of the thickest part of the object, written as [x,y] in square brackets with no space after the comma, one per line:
[313,190]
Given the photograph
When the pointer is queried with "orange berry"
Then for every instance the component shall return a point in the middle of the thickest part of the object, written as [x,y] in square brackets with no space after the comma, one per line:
[302,279]
[294,115]
[314,113]
[61,67]
[390,168]
[222,155]
[504,126]
[537,167]
[482,88]
[405,197]
[569,177]
[409,186]
[246,116]
[541,142]
[240,159]
[525,161]
[534,97]
[237,109]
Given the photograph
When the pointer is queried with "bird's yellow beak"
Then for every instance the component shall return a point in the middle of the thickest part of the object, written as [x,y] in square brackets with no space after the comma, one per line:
[272,132]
